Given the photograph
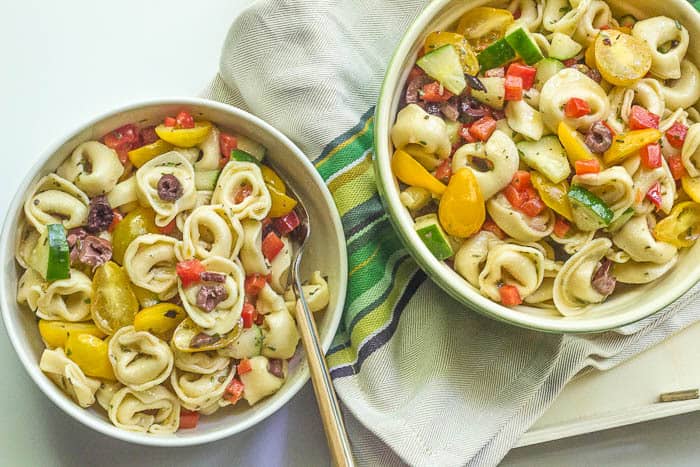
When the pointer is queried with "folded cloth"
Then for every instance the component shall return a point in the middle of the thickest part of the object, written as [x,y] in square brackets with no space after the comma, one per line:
[423,380]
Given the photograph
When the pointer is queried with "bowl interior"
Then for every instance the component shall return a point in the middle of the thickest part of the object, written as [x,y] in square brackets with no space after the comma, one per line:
[325,252]
[632,304]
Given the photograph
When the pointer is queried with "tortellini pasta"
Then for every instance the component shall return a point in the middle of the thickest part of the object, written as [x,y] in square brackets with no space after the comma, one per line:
[613,185]
[589,23]
[416,127]
[149,181]
[517,265]
[259,382]
[155,410]
[241,190]
[195,390]
[564,85]
[55,200]
[524,119]
[690,153]
[559,16]
[150,263]
[27,238]
[637,240]
[574,241]
[251,255]
[203,363]
[106,392]
[644,178]
[280,335]
[661,30]
[518,225]
[531,12]
[211,154]
[208,232]
[316,292]
[69,377]
[279,267]
[140,360]
[683,92]
[93,167]
[633,272]
[64,299]
[646,92]
[472,255]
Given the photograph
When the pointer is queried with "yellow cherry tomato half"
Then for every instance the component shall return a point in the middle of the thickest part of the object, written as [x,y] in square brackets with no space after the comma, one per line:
[462,210]
[622,59]
[184,137]
[681,227]
[140,156]
[138,222]
[91,354]
[467,57]
[160,319]
[484,25]
[113,304]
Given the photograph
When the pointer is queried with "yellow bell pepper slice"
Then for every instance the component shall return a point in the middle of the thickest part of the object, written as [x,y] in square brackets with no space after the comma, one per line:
[91,354]
[553,194]
[576,149]
[184,137]
[412,173]
[160,319]
[140,156]
[281,203]
[467,57]
[272,179]
[681,227]
[691,186]
[462,210]
[625,145]
[55,333]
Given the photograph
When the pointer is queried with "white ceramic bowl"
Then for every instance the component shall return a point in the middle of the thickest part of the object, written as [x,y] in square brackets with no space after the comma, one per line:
[326,252]
[623,308]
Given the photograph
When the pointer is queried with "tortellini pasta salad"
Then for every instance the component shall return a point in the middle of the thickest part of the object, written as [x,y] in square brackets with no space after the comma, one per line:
[156,261]
[549,151]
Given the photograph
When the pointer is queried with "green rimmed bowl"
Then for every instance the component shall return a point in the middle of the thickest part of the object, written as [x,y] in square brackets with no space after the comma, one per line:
[627,307]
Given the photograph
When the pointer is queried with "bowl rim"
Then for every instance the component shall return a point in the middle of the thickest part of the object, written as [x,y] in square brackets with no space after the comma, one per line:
[446,278]
[8,306]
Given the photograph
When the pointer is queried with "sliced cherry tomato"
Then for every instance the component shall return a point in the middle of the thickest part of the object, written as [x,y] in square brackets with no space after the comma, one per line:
[525,72]
[590,166]
[148,135]
[641,118]
[434,92]
[248,315]
[287,224]
[675,165]
[184,119]
[444,171]
[521,180]
[188,419]
[170,122]
[117,218]
[189,271]
[576,107]
[532,207]
[515,198]
[244,367]
[254,283]
[650,155]
[483,128]
[509,295]
[466,136]
[491,226]
[676,135]
[243,192]
[561,227]
[227,143]
[234,391]
[514,88]
[271,246]
[654,195]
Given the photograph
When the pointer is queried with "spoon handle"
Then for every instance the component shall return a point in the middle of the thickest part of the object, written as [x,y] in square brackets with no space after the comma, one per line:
[337,437]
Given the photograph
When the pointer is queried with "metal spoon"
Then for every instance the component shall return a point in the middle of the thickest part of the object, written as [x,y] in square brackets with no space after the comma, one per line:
[332,418]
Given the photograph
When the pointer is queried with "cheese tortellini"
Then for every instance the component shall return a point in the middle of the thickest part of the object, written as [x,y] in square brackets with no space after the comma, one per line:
[241,190]
[566,84]
[150,262]
[661,30]
[155,410]
[93,167]
[69,377]
[139,359]
[414,127]
[517,265]
[518,225]
[259,382]
[196,390]
[55,200]
[613,185]
[208,232]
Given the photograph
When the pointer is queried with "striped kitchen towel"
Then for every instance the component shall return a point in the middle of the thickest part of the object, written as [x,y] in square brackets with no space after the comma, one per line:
[423,380]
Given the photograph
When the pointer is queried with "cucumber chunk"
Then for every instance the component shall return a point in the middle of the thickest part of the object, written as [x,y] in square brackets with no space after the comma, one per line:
[563,47]
[523,44]
[443,64]
[249,343]
[546,69]
[205,180]
[547,156]
[495,55]
[51,255]
[590,212]
[430,231]
[253,148]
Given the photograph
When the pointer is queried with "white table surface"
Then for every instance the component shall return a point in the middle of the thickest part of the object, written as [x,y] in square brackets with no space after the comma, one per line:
[64,62]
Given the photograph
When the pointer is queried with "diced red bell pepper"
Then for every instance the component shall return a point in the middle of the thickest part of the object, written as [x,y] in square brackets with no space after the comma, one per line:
[675,165]
[244,367]
[434,92]
[576,107]
[533,206]
[641,118]
[444,170]
[514,88]
[521,180]
[650,155]
[509,295]
[525,72]
[148,135]
[482,129]
[515,198]
[287,224]
[234,391]
[117,218]
[587,166]
[189,271]
[561,227]
[248,315]
[254,283]
[227,143]
[464,133]
[243,192]
[271,246]
[499,72]
[168,228]
[170,122]
[654,195]
[188,419]
[184,119]
[676,135]
[491,226]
